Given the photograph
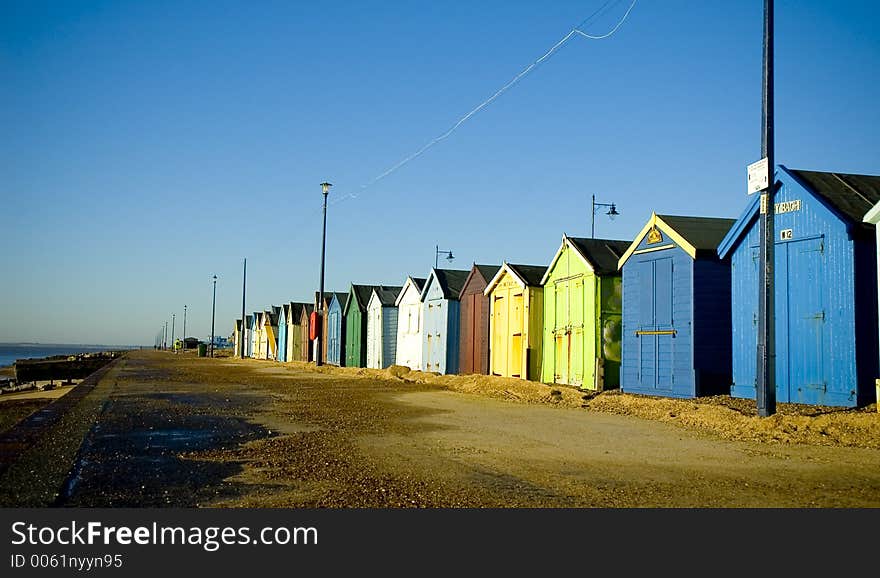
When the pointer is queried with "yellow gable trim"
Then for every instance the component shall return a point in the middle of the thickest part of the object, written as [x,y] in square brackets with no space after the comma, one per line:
[502,272]
[656,221]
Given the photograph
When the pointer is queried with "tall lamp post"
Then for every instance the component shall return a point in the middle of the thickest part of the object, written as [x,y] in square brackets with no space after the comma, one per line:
[325,188]
[612,212]
[165,337]
[184,328]
[172,333]
[438,251]
[213,303]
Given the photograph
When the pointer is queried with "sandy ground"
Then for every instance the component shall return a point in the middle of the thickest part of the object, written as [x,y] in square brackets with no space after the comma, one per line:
[182,431]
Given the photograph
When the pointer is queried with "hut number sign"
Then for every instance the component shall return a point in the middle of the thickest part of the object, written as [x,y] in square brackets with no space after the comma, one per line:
[786,234]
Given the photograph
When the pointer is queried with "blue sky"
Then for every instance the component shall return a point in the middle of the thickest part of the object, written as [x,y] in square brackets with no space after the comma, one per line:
[149,145]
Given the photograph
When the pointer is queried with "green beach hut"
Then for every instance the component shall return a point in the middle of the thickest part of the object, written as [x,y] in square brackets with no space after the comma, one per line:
[582,314]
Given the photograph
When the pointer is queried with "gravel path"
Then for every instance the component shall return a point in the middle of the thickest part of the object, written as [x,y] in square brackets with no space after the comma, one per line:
[165,430]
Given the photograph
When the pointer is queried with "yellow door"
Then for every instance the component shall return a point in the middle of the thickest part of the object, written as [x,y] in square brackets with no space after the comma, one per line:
[499,335]
[516,337]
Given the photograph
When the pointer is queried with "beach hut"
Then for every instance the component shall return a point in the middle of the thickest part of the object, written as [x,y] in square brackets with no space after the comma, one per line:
[274,316]
[440,314]
[825,289]
[516,313]
[283,316]
[676,309]
[254,347]
[306,351]
[237,336]
[355,315]
[294,332]
[325,322]
[409,323]
[269,334]
[336,329]
[474,337]
[382,327]
[582,314]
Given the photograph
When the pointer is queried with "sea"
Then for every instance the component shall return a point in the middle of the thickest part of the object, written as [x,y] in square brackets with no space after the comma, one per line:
[9,352]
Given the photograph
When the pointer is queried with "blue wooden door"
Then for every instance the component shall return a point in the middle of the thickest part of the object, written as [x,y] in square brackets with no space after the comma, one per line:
[656,330]
[333,337]
[806,320]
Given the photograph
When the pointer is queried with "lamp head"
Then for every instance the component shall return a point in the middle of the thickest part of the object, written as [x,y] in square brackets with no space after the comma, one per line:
[612,212]
[325,187]
[449,256]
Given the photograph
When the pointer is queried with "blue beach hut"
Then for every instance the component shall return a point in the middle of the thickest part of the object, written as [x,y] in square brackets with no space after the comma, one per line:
[676,309]
[825,289]
[336,330]
[441,315]
[282,331]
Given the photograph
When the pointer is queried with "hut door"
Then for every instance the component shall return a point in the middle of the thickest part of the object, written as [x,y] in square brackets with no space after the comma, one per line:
[516,335]
[576,352]
[561,334]
[499,335]
[656,329]
[806,323]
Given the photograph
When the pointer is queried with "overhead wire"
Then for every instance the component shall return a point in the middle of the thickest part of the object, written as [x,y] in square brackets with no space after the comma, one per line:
[572,32]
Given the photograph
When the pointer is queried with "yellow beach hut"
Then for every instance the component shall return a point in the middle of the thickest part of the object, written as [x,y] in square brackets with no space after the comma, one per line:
[516,309]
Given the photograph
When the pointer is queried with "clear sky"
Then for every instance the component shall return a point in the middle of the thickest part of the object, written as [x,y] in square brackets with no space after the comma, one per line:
[146,146]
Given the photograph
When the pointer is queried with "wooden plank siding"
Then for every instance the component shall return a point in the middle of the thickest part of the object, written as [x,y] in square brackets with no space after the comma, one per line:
[474,337]
[826,351]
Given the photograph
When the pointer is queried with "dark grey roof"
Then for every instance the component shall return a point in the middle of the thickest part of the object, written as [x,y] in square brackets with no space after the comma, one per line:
[704,233]
[387,294]
[850,195]
[419,283]
[296,309]
[531,274]
[307,308]
[451,281]
[488,271]
[361,295]
[273,314]
[340,296]
[602,253]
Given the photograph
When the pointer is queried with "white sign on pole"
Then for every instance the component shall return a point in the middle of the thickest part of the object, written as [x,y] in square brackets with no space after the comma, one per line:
[759,176]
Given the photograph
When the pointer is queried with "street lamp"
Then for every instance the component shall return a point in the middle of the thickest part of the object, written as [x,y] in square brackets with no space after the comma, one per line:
[612,212]
[213,303]
[437,253]
[184,329]
[172,334]
[325,188]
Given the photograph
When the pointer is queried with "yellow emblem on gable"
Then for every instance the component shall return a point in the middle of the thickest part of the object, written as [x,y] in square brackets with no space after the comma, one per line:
[654,236]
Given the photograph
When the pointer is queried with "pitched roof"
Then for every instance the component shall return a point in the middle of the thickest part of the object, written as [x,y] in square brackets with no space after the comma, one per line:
[527,275]
[531,274]
[418,283]
[340,296]
[296,310]
[451,281]
[387,294]
[603,254]
[851,195]
[697,236]
[361,295]
[487,271]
